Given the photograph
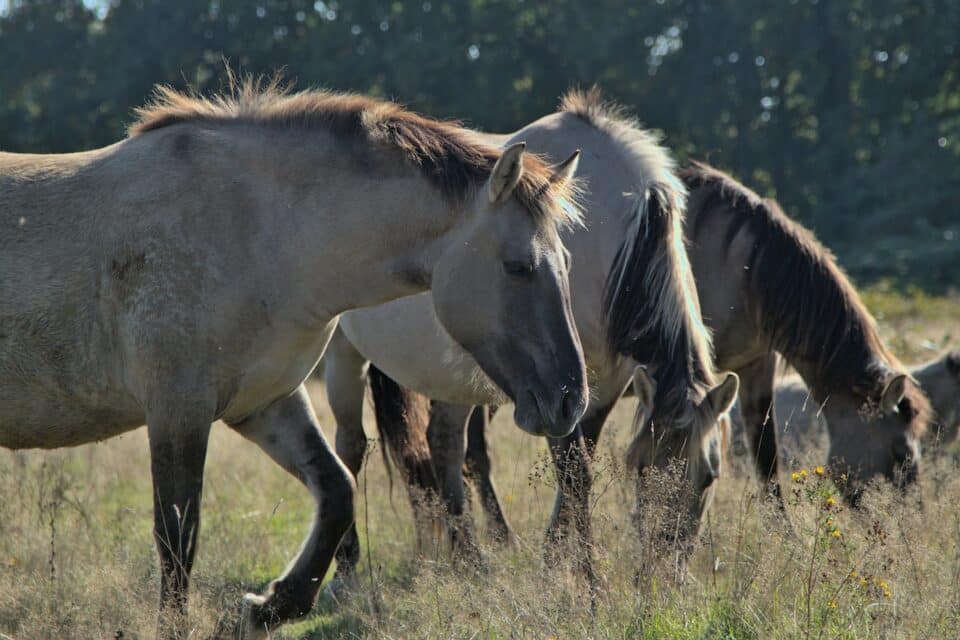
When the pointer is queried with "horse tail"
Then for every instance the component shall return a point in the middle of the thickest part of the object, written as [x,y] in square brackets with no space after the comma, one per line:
[402,418]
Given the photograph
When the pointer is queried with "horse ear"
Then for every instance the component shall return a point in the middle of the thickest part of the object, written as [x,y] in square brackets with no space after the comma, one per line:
[564,172]
[953,363]
[643,387]
[506,173]
[722,396]
[893,393]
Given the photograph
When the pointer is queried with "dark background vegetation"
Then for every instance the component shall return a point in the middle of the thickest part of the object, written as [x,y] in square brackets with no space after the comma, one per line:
[847,112]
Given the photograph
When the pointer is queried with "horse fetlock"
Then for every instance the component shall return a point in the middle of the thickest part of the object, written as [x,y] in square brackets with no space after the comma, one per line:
[348,553]
[465,550]
[501,533]
[342,587]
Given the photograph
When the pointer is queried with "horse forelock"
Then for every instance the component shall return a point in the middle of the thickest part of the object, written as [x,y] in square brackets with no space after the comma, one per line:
[449,156]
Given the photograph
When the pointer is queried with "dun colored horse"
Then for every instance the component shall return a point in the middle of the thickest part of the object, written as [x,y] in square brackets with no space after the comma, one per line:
[801,420]
[766,287]
[195,271]
[634,302]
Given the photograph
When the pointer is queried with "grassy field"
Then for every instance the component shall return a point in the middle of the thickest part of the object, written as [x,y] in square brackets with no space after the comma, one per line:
[77,558]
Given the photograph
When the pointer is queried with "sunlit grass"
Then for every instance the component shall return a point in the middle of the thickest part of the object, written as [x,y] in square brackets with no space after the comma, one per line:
[77,558]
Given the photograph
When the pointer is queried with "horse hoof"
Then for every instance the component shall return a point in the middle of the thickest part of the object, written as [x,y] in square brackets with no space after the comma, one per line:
[504,538]
[340,589]
[261,613]
[252,625]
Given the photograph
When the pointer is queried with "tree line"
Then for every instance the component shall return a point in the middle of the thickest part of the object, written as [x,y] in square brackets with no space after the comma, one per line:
[846,112]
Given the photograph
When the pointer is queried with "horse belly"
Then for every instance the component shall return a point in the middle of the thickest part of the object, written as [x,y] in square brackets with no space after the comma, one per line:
[29,419]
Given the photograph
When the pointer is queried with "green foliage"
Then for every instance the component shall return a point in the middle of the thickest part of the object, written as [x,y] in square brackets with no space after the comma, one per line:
[848,113]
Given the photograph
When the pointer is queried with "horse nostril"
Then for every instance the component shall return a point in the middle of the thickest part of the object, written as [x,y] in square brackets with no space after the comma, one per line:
[570,405]
[565,409]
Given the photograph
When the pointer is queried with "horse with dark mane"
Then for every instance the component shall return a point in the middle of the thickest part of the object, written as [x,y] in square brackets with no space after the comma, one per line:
[767,287]
[636,302]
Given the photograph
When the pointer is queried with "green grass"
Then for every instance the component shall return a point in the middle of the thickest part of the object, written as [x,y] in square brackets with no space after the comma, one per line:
[93,571]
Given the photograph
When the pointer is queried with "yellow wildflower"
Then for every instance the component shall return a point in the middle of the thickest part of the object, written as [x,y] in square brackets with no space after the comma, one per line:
[795,476]
[832,604]
[819,470]
[852,574]
[803,473]
[886,593]
[835,533]
[831,501]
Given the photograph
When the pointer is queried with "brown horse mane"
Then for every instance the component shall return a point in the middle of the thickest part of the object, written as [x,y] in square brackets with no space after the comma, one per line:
[449,156]
[803,302]
[651,308]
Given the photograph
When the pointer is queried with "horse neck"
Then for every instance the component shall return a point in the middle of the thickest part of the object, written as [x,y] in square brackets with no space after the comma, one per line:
[353,233]
[824,383]
[388,246]
[612,177]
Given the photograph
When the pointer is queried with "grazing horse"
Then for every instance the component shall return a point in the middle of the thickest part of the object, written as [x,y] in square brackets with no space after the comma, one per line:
[786,295]
[196,270]
[801,421]
[634,301]
[767,287]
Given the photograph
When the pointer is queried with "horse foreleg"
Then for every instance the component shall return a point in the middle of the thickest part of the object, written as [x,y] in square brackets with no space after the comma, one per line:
[592,424]
[178,448]
[572,502]
[288,432]
[756,405]
[479,470]
[446,437]
[571,457]
[345,379]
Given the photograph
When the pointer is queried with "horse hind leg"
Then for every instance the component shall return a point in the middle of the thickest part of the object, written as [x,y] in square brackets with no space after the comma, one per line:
[478,470]
[446,437]
[288,432]
[402,421]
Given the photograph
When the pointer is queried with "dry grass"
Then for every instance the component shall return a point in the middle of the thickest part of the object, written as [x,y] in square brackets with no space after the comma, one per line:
[77,557]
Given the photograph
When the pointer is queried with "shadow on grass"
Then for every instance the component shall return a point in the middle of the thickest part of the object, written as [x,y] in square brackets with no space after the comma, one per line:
[320,627]
[353,619]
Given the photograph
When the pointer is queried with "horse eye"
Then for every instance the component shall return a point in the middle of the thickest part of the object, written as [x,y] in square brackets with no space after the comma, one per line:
[906,410]
[518,267]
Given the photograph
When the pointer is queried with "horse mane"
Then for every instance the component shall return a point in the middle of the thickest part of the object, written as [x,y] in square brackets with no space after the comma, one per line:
[449,156]
[801,299]
[650,303]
